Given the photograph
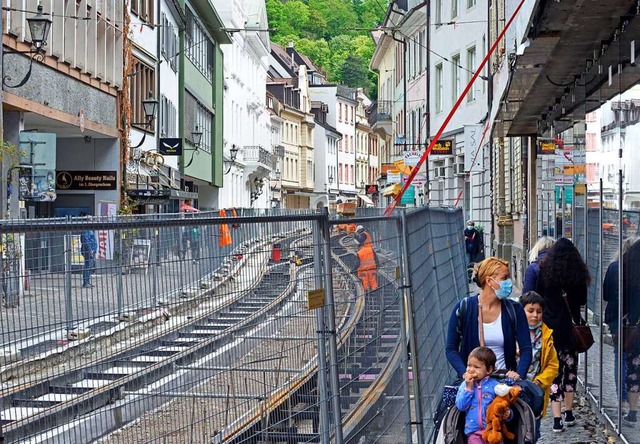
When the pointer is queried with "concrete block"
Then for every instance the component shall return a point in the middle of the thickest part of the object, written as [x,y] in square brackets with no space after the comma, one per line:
[9,355]
[78,334]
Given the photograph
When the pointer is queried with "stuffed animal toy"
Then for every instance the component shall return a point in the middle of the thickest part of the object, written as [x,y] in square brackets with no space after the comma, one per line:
[496,427]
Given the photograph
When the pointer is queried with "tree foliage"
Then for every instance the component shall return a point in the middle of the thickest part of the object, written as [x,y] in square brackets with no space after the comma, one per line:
[334,34]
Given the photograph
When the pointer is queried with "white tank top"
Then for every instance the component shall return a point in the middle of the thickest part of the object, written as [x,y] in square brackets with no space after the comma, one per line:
[494,339]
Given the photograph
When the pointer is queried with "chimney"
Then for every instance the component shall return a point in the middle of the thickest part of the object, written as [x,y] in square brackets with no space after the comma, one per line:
[290,51]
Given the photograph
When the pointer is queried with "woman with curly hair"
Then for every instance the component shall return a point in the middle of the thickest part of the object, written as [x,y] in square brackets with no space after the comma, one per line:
[562,282]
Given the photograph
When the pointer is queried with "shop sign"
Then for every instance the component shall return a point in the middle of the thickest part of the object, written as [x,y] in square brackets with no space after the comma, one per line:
[409,196]
[547,148]
[170,146]
[411,158]
[442,148]
[394,177]
[372,190]
[86,180]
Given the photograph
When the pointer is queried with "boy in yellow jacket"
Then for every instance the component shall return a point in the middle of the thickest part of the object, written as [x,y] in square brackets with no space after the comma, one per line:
[544,365]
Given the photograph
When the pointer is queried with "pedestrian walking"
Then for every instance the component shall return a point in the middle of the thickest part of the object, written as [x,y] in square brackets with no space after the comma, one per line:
[630,358]
[536,254]
[490,319]
[88,249]
[471,238]
[194,243]
[563,281]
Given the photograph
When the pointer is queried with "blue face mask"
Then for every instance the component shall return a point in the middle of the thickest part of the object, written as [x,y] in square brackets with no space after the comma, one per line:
[506,287]
[535,327]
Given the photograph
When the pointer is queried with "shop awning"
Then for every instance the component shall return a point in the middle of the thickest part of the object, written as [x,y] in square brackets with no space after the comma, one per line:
[392,190]
[366,199]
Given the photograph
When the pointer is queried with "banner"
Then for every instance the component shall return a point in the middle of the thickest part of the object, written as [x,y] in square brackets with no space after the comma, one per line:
[394,177]
[473,157]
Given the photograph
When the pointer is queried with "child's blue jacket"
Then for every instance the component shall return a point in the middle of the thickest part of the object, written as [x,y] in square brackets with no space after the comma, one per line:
[475,403]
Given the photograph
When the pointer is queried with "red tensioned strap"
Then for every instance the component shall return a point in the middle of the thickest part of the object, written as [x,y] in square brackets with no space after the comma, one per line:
[435,139]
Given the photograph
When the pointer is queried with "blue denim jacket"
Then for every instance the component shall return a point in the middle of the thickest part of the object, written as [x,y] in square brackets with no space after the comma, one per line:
[475,403]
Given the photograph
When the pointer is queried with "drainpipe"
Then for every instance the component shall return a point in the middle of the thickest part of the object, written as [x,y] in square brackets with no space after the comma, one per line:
[428,104]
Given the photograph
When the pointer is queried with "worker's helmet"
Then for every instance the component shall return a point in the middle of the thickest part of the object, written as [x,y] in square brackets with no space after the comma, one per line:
[359,229]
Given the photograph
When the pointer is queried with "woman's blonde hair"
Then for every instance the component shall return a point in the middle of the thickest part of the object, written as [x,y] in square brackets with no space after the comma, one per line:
[487,268]
[544,243]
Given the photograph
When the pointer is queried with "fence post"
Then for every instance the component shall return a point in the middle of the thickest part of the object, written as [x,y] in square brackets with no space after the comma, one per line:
[404,316]
[322,352]
[406,290]
[331,321]
[67,281]
[154,265]
[601,265]
[120,271]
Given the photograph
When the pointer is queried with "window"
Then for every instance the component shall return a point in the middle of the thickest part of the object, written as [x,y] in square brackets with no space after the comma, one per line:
[455,77]
[199,47]
[340,112]
[168,118]
[415,56]
[439,12]
[439,88]
[143,9]
[142,84]
[471,3]
[196,114]
[169,43]
[471,67]
[454,8]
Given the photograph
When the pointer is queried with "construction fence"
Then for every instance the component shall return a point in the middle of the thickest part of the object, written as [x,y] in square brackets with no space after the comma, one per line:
[240,326]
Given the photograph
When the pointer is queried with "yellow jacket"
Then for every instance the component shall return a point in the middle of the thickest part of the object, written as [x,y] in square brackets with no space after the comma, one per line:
[549,365]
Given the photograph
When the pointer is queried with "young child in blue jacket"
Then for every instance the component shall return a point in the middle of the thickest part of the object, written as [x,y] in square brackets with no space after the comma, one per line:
[476,392]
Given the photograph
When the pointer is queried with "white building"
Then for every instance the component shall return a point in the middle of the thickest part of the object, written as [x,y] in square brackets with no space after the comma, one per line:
[325,139]
[247,123]
[154,74]
[341,105]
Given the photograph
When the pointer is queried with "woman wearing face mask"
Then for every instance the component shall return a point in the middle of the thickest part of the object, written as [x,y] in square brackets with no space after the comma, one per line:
[563,272]
[504,323]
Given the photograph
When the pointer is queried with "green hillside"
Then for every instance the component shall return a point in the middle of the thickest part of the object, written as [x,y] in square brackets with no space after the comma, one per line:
[334,34]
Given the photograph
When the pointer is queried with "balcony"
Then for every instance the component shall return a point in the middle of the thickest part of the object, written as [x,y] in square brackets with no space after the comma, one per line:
[258,160]
[380,117]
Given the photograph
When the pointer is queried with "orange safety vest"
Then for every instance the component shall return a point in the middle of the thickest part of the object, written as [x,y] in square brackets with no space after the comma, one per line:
[225,233]
[367,258]
[234,214]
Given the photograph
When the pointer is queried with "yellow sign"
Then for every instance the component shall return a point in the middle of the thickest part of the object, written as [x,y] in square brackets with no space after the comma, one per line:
[580,188]
[547,148]
[315,298]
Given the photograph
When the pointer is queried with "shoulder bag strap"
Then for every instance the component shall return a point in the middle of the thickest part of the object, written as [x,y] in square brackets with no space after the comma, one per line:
[566,301]
[480,324]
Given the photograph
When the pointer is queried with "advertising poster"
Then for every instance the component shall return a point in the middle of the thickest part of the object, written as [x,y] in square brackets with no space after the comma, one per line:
[140,253]
[409,196]
[106,237]
[38,151]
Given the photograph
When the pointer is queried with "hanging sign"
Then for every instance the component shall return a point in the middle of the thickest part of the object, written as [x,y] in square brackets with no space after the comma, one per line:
[170,146]
[411,157]
[409,196]
[442,147]
[546,148]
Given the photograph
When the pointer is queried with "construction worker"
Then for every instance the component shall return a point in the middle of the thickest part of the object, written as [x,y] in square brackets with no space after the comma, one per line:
[362,236]
[367,268]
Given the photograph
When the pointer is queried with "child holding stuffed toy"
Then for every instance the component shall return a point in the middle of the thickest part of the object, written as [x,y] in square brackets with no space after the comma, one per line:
[544,366]
[476,393]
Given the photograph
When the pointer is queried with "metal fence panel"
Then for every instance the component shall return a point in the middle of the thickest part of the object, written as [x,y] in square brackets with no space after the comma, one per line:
[438,281]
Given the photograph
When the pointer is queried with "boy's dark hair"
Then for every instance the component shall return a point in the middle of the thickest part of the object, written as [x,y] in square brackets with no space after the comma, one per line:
[531,297]
[484,355]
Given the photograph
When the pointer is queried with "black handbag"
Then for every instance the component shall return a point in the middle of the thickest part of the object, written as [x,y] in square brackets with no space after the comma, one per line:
[581,332]
[630,337]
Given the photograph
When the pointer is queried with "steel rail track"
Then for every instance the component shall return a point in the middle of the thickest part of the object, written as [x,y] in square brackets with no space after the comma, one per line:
[79,393]
[286,424]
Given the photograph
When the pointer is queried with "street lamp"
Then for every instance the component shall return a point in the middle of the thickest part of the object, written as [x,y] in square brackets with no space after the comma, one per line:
[257,189]
[149,107]
[233,152]
[39,27]
[196,139]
